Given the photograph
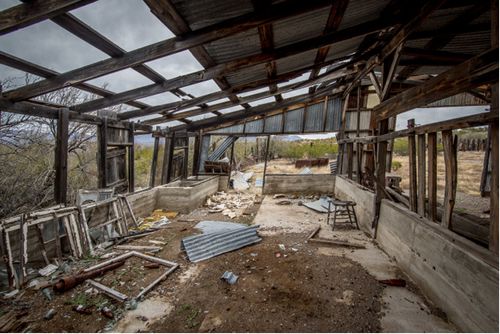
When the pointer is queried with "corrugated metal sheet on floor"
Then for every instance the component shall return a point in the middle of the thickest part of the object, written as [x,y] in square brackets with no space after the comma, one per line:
[205,246]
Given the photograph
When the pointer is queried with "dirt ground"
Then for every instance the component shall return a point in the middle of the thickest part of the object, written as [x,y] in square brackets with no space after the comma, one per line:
[305,288]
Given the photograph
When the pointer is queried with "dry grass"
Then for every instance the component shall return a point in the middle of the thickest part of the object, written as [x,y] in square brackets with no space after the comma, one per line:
[470,167]
[285,166]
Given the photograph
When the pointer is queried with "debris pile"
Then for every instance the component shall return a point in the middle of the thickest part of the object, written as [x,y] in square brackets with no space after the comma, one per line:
[240,180]
[231,205]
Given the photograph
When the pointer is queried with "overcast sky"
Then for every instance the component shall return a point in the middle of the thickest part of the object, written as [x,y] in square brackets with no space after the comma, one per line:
[130,24]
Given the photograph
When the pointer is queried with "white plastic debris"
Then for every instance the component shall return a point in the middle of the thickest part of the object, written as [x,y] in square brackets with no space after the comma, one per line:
[48,270]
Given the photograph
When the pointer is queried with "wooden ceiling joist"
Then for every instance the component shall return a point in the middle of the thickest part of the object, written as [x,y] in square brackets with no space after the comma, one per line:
[26,14]
[470,74]
[166,47]
[231,66]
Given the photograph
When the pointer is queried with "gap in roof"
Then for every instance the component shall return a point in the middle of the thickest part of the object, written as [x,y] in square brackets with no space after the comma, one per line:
[255,91]
[5,4]
[161,98]
[50,46]
[129,24]
[296,92]
[68,96]
[202,88]
[177,64]
[219,101]
[121,81]
[263,101]
[230,109]
[300,78]
[12,78]
[200,117]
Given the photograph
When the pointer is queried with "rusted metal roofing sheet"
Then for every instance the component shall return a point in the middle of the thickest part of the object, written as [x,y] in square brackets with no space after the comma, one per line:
[358,11]
[236,46]
[205,246]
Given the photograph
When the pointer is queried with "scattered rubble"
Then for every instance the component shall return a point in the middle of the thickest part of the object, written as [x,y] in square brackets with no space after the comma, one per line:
[232,205]
[229,277]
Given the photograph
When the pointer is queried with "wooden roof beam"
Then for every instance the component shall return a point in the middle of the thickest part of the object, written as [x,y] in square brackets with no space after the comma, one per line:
[399,38]
[332,24]
[439,42]
[25,66]
[231,66]
[24,15]
[470,74]
[165,48]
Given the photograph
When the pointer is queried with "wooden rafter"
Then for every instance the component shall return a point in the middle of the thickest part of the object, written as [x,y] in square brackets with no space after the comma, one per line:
[231,66]
[26,66]
[332,24]
[165,48]
[439,42]
[472,73]
[23,15]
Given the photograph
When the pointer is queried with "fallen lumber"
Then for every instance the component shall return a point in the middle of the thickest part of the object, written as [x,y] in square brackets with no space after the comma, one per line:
[139,248]
[336,243]
[313,233]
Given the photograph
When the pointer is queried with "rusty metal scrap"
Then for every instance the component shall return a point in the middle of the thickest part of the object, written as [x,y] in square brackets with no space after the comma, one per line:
[69,282]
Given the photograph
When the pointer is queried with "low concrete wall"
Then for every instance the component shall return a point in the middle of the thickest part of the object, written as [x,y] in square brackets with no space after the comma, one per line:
[349,190]
[186,195]
[142,202]
[458,275]
[299,183]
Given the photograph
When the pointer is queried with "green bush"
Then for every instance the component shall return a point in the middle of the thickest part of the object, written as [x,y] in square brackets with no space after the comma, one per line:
[396,165]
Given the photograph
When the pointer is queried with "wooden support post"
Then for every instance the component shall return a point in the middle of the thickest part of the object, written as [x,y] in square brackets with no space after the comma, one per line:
[493,242]
[23,248]
[102,139]
[154,162]
[383,128]
[450,164]
[57,238]
[413,172]
[39,233]
[432,175]
[5,250]
[359,156]
[170,158]
[61,157]
[196,154]
[231,165]
[131,159]
[166,156]
[349,160]
[421,175]
[265,163]
[186,161]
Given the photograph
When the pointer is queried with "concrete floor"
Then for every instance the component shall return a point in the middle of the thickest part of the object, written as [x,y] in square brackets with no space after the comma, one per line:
[403,310]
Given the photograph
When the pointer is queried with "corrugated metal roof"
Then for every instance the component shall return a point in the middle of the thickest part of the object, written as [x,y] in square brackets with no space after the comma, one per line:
[344,48]
[298,61]
[300,27]
[205,246]
[358,11]
[471,43]
[246,75]
[236,46]
[273,124]
[314,118]
[202,13]
[293,120]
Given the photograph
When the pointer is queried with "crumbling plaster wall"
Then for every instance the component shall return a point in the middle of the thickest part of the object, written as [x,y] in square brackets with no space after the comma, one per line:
[348,190]
[299,183]
[458,275]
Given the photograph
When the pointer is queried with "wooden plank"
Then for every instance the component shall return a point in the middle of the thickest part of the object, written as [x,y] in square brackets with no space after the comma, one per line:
[167,47]
[5,256]
[229,67]
[83,221]
[170,159]
[450,164]
[108,291]
[453,124]
[493,242]
[349,160]
[379,173]
[23,249]
[421,175]
[57,238]
[474,72]
[359,159]
[432,175]
[102,140]
[23,15]
[61,158]
[265,162]
[131,160]
[154,161]
[412,172]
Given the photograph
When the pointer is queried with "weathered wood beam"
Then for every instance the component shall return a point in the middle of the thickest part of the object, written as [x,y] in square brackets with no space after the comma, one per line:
[474,72]
[166,47]
[493,240]
[421,174]
[412,156]
[24,15]
[400,37]
[154,162]
[376,84]
[332,24]
[450,164]
[174,115]
[389,70]
[432,175]
[232,66]
[102,147]
[131,158]
[61,158]
[440,41]
[26,66]
[94,38]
